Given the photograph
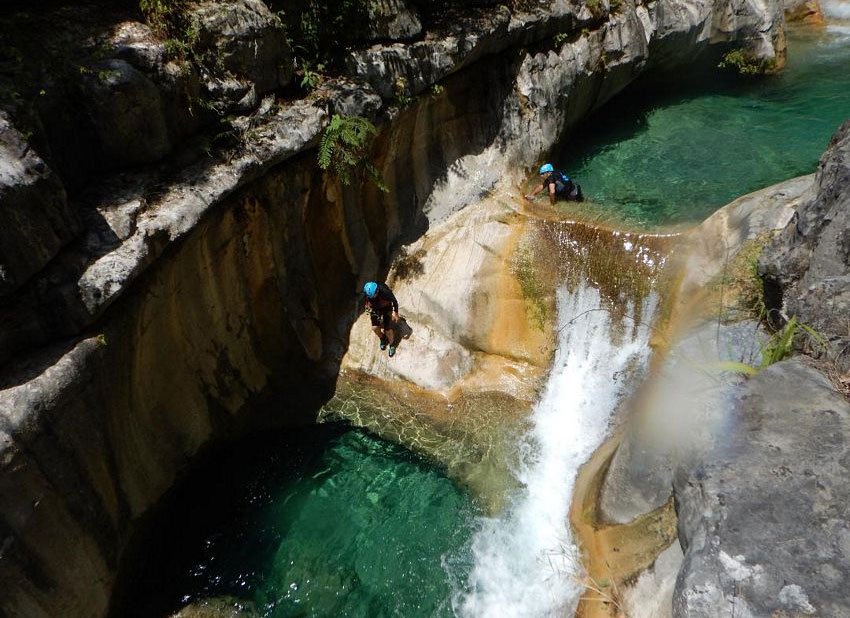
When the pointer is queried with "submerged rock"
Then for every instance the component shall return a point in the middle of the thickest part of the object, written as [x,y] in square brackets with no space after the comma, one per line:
[219,607]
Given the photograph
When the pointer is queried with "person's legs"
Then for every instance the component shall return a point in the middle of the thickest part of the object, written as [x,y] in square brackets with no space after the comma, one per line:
[389,328]
[378,329]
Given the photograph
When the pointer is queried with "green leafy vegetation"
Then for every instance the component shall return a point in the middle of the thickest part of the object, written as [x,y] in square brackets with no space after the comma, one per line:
[595,7]
[344,148]
[743,63]
[320,31]
[401,93]
[161,15]
[311,79]
[561,38]
[780,346]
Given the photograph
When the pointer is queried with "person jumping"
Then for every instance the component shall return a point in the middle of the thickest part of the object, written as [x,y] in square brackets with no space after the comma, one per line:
[382,306]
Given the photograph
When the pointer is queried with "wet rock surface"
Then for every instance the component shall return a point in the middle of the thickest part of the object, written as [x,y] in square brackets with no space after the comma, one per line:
[761,507]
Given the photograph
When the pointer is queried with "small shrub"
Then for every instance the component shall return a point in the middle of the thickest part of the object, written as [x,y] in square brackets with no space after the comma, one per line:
[595,7]
[402,98]
[409,265]
[742,63]
[344,147]
[561,38]
[160,14]
[437,90]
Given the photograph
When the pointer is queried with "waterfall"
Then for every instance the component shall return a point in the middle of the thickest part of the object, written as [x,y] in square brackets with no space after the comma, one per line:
[836,9]
[526,563]
[837,13]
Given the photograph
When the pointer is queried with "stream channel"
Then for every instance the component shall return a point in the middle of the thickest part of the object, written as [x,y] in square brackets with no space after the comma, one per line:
[331,521]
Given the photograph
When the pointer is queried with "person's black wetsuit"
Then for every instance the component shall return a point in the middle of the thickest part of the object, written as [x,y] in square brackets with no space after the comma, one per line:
[565,188]
[382,307]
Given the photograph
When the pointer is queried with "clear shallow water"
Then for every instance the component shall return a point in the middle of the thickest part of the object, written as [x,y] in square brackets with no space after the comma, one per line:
[674,152]
[323,522]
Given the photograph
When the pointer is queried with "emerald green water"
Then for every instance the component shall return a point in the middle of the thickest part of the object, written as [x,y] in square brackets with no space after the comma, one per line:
[322,522]
[675,151]
[334,522]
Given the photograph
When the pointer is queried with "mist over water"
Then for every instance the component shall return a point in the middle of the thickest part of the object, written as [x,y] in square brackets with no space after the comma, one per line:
[525,560]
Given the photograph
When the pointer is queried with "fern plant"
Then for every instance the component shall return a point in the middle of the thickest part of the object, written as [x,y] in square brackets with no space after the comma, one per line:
[344,147]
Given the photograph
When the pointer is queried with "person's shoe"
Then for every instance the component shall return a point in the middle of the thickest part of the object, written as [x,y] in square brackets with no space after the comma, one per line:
[391,351]
[384,344]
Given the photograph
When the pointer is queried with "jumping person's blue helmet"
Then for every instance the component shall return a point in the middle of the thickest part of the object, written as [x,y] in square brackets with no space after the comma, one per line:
[370,289]
[546,168]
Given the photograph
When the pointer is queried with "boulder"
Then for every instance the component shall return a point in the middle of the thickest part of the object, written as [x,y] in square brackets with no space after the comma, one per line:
[391,19]
[680,408]
[245,38]
[762,508]
[806,268]
[126,110]
[136,43]
[806,11]
[35,218]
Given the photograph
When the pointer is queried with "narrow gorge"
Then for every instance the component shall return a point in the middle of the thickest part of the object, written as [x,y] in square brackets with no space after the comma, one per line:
[631,406]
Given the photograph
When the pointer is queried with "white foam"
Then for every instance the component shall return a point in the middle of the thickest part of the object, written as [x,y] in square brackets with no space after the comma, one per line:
[836,9]
[526,563]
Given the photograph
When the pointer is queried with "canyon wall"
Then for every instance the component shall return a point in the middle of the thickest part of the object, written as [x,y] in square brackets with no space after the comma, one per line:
[188,290]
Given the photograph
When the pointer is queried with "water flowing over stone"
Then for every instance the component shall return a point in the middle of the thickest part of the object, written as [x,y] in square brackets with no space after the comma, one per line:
[526,563]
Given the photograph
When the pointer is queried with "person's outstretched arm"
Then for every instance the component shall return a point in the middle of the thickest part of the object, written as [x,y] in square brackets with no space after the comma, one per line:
[534,192]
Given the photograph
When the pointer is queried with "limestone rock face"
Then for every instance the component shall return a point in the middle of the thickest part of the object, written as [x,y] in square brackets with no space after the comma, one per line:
[135,42]
[127,113]
[247,39]
[806,11]
[677,403]
[807,267]
[688,26]
[761,514]
[36,220]
[392,19]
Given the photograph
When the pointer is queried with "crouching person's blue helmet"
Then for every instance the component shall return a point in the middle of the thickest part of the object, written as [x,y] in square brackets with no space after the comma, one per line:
[370,289]
[546,168]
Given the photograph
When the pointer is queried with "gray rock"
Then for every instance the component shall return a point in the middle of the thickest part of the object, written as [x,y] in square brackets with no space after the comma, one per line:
[136,43]
[651,594]
[126,109]
[683,29]
[399,69]
[391,19]
[762,511]
[247,39]
[807,267]
[679,415]
[35,218]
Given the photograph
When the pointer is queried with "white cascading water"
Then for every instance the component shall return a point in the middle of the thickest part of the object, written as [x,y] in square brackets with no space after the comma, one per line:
[526,563]
[836,9]
[837,13]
